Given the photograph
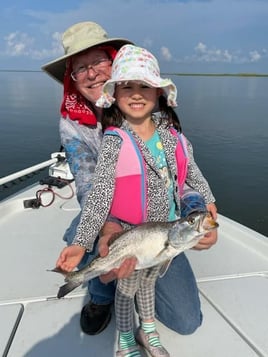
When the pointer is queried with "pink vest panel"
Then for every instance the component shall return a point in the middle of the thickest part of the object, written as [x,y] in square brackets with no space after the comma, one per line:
[181,158]
[130,196]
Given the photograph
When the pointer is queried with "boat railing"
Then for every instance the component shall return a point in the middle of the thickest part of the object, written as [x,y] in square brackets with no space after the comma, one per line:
[6,179]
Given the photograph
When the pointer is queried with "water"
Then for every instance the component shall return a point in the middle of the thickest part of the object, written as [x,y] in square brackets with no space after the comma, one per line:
[224,117]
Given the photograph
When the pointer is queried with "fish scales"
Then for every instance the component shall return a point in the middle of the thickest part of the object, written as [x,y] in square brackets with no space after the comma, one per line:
[145,244]
[152,243]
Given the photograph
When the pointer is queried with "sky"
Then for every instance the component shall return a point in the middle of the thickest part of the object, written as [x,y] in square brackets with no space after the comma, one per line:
[187,36]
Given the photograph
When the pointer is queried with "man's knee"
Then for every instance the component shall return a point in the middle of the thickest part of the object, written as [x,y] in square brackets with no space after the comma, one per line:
[188,327]
[183,326]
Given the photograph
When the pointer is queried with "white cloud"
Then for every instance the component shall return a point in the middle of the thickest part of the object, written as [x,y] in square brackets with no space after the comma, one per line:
[147,43]
[21,44]
[201,47]
[202,53]
[166,53]
[18,44]
[254,56]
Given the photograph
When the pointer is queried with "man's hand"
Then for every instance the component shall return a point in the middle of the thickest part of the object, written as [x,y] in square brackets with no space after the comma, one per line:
[210,238]
[212,209]
[128,265]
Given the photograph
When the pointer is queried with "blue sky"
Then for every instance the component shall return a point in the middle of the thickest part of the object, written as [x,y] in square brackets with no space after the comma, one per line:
[212,36]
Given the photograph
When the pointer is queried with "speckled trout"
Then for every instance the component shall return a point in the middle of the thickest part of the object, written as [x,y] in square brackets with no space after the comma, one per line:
[152,243]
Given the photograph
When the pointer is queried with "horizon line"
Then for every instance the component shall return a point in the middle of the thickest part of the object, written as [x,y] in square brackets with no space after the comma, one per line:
[242,74]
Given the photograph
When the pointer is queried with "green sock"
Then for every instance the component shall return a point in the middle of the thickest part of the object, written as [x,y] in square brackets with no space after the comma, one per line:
[127,340]
[149,327]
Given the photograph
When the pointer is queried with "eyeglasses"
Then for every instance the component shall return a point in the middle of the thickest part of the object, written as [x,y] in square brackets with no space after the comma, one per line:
[98,66]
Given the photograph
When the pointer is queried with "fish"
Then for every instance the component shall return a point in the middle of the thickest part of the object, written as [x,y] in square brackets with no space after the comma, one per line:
[152,243]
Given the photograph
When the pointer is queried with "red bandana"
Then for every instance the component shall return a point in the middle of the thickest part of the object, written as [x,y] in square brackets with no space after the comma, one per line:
[74,105]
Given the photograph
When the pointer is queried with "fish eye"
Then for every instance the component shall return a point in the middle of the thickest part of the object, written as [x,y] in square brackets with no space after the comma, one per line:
[191,220]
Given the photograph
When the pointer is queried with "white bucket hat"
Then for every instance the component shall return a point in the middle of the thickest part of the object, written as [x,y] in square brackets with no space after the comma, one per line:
[134,63]
[78,38]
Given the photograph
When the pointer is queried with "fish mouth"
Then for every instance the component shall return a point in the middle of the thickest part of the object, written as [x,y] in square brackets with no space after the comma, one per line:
[208,223]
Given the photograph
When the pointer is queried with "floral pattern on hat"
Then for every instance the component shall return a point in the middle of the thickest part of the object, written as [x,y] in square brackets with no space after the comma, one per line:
[134,63]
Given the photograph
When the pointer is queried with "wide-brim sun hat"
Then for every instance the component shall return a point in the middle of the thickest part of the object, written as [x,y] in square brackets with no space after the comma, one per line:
[79,38]
[134,63]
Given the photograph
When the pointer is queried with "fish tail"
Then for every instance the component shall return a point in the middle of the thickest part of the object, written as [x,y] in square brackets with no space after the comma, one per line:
[67,288]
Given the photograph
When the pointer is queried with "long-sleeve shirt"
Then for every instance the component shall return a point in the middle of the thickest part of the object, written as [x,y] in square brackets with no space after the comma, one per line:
[98,203]
[81,144]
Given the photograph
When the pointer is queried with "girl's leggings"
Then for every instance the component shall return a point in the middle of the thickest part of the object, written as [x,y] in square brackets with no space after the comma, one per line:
[141,284]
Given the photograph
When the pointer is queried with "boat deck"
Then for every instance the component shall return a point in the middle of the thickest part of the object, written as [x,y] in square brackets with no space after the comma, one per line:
[232,278]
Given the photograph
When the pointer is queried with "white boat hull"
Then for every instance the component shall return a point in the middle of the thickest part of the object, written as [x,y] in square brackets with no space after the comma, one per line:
[232,278]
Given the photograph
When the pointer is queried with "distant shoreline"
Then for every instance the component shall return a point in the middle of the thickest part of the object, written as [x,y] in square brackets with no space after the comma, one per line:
[172,73]
[20,70]
[217,74]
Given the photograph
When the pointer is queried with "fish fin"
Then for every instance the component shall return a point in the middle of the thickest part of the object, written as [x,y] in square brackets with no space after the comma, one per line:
[67,288]
[164,268]
[58,270]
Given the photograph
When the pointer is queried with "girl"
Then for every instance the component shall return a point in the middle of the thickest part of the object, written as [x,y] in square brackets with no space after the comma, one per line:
[143,165]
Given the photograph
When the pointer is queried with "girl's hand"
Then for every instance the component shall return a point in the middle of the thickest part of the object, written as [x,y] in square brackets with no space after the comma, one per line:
[70,257]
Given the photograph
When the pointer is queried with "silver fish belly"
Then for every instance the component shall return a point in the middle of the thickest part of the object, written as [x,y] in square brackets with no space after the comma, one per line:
[152,243]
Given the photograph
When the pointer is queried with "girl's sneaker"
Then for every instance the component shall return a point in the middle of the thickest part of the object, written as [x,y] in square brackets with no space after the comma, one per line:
[143,339]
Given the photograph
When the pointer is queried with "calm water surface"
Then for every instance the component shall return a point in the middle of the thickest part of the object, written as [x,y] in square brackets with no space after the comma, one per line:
[224,117]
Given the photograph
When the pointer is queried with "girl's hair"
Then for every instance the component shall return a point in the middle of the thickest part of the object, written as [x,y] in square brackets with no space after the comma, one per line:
[169,114]
[114,117]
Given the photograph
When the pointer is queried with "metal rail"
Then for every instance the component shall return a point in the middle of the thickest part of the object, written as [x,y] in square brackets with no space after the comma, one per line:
[27,171]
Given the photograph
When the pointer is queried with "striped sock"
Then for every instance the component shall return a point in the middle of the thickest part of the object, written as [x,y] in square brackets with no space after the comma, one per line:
[127,340]
[149,327]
